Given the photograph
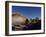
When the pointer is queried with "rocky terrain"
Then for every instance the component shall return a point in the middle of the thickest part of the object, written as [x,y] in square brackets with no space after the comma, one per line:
[20,22]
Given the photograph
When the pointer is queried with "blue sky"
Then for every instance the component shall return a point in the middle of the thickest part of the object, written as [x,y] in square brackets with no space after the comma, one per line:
[30,12]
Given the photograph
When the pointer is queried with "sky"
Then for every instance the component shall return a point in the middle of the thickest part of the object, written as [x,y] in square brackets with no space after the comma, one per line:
[30,12]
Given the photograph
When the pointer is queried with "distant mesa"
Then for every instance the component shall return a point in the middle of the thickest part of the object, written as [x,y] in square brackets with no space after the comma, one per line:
[18,18]
[18,15]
